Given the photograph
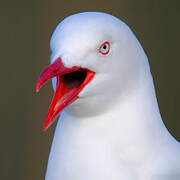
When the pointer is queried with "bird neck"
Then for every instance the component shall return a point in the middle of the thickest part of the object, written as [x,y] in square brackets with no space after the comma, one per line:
[128,131]
[134,121]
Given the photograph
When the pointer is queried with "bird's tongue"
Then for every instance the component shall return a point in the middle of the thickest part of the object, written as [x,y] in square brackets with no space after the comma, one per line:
[70,82]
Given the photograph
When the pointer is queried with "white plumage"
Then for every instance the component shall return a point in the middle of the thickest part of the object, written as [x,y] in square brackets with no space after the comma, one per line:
[114,131]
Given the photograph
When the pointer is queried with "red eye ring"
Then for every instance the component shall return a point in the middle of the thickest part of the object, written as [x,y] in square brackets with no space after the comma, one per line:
[104,48]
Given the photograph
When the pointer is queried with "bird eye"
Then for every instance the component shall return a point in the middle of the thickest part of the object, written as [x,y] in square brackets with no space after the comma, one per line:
[104,48]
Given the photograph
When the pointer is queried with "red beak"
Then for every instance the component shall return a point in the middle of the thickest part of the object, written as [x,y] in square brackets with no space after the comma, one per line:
[70,82]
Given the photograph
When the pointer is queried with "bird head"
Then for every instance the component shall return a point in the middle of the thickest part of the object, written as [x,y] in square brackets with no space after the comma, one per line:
[92,64]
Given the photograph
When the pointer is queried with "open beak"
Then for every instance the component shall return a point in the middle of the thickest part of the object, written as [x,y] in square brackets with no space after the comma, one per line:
[70,82]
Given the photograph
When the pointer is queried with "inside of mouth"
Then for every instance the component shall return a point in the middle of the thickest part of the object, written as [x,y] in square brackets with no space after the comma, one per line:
[68,88]
[75,79]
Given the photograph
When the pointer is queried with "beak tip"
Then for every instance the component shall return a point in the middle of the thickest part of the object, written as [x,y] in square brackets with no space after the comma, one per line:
[46,127]
[38,86]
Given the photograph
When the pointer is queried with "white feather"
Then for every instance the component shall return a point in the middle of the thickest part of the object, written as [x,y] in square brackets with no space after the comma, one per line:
[114,131]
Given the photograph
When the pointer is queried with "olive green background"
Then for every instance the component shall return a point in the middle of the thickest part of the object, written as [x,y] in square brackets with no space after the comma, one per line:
[25,30]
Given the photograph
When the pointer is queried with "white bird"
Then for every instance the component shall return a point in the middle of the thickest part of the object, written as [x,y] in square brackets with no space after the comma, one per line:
[111,128]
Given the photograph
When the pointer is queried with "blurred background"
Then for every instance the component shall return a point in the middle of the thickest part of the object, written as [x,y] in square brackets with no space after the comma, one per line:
[25,30]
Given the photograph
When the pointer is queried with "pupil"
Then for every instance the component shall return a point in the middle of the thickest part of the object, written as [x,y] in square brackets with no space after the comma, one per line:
[104,47]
